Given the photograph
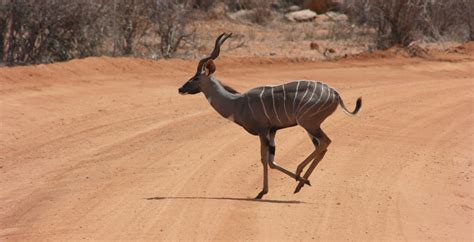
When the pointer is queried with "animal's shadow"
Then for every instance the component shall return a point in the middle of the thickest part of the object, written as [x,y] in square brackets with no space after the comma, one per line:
[229,198]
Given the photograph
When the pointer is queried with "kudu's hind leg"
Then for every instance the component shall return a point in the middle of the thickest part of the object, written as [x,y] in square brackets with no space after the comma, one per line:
[321,142]
[274,165]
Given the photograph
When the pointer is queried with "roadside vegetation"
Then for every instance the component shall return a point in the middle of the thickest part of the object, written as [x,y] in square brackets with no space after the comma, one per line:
[59,30]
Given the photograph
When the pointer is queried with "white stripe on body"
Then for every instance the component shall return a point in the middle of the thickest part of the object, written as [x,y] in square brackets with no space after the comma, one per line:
[322,107]
[250,106]
[331,94]
[315,103]
[296,94]
[310,98]
[304,95]
[274,108]
[263,105]
[284,102]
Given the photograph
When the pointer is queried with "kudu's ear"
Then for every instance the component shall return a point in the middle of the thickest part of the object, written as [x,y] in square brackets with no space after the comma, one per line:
[210,68]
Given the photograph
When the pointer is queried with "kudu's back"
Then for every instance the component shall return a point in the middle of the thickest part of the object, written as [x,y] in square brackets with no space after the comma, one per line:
[299,102]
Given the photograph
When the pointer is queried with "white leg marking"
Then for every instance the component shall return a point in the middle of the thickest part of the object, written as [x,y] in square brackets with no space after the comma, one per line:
[263,105]
[231,117]
[274,108]
[271,139]
[296,94]
[209,99]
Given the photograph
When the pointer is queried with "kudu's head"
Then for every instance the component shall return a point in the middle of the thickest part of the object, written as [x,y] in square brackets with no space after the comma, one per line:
[205,69]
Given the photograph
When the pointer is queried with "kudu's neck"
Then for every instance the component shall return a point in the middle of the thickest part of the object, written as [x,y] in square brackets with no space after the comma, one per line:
[220,99]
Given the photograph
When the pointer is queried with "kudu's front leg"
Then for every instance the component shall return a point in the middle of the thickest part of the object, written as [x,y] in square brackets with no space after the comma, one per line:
[265,157]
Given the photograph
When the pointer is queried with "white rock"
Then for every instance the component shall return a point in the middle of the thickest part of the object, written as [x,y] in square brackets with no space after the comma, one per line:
[301,16]
[340,17]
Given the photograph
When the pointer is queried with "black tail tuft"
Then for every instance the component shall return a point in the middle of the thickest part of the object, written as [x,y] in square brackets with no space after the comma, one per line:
[357,108]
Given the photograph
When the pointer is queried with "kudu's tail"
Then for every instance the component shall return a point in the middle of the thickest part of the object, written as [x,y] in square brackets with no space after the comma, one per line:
[357,107]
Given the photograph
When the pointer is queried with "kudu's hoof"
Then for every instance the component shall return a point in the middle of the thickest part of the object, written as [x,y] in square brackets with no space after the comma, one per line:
[260,195]
[298,188]
[301,179]
[305,181]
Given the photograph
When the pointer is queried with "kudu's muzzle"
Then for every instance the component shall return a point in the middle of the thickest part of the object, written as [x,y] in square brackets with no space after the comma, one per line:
[185,88]
[190,87]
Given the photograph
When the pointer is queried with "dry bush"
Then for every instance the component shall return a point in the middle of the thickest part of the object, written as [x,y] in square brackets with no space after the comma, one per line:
[453,18]
[171,18]
[3,27]
[404,21]
[52,31]
[287,3]
[204,4]
[262,13]
[130,22]
[236,5]
[59,30]
[260,10]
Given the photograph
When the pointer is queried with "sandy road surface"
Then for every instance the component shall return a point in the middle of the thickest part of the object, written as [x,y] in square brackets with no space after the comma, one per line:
[105,148]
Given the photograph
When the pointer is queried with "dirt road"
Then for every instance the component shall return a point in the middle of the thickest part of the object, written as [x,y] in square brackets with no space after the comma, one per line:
[105,148]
